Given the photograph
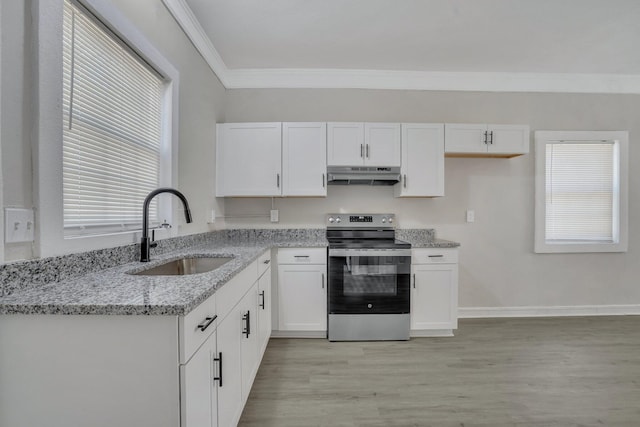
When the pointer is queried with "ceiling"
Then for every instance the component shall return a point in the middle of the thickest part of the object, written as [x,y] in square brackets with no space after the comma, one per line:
[522,45]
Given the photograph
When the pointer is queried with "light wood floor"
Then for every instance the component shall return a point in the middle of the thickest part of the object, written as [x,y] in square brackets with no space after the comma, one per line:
[495,372]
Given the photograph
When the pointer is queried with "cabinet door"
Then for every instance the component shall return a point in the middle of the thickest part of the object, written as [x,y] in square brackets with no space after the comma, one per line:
[302,297]
[434,297]
[198,392]
[249,340]
[382,144]
[248,159]
[345,144]
[508,139]
[422,172]
[304,159]
[464,138]
[264,312]
[230,401]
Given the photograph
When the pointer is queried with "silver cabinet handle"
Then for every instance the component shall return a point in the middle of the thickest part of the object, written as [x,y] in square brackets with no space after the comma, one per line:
[267,261]
[323,184]
[278,180]
[414,280]
[491,140]
[436,256]
[405,180]
[485,137]
[361,150]
[367,151]
[301,256]
[322,280]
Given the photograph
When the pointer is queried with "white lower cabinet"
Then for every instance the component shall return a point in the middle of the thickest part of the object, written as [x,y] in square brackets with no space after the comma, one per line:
[264,311]
[248,340]
[434,292]
[230,402]
[199,392]
[194,370]
[302,291]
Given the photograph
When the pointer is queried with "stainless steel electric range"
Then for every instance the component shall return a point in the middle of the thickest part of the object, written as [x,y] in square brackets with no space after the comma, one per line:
[369,279]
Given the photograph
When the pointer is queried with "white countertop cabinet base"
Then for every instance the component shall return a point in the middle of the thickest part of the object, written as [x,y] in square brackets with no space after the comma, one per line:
[302,292]
[434,292]
[143,371]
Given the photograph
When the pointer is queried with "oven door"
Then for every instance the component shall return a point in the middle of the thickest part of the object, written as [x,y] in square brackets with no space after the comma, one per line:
[368,281]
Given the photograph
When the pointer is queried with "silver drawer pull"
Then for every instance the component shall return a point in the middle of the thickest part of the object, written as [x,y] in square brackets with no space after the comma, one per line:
[436,256]
[301,256]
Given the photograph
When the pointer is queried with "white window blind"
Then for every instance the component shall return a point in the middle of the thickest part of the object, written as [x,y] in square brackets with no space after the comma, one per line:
[112,121]
[582,191]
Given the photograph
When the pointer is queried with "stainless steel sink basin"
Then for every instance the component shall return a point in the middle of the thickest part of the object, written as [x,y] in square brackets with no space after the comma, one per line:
[183,266]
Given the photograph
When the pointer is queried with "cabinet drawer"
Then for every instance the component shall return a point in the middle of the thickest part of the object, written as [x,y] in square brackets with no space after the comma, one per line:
[196,327]
[434,256]
[302,256]
[264,262]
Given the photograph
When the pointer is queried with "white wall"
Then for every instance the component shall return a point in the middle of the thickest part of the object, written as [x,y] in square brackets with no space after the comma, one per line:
[201,105]
[15,118]
[497,265]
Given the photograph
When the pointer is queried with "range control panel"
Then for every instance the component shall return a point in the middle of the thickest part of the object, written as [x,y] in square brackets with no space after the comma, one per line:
[361,220]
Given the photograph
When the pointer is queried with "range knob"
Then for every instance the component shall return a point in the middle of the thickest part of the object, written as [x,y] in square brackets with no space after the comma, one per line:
[384,220]
[338,220]
[331,219]
[390,220]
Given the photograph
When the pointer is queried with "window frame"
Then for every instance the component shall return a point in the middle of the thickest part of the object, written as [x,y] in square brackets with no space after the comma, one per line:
[542,138]
[47,155]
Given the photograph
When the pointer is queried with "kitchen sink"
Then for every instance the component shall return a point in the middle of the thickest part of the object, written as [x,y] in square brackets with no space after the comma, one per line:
[184,266]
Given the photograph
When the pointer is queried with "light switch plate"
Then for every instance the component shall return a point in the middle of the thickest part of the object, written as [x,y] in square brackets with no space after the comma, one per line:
[274,215]
[18,225]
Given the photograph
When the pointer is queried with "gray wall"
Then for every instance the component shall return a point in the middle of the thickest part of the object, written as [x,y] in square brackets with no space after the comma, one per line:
[201,105]
[497,265]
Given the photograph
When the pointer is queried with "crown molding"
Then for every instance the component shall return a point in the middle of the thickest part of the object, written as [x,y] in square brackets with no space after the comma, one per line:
[391,79]
[194,31]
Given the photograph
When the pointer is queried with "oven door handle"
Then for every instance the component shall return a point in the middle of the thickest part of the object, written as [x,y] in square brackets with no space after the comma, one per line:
[369,252]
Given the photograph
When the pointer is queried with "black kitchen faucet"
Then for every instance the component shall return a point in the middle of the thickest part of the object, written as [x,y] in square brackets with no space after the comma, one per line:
[145,243]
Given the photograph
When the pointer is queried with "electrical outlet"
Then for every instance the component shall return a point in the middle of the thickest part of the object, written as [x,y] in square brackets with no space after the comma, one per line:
[274,215]
[212,220]
[471,216]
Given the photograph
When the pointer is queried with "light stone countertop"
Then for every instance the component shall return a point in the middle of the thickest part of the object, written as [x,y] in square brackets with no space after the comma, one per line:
[113,291]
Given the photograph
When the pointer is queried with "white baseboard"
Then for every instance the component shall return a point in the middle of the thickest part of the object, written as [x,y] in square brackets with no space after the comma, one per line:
[298,334]
[549,311]
[420,333]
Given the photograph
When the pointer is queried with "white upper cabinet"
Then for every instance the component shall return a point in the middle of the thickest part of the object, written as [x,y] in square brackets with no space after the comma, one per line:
[382,144]
[345,144]
[304,159]
[486,140]
[248,159]
[422,171]
[363,144]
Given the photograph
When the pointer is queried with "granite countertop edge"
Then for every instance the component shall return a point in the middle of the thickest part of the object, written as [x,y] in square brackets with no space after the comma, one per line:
[114,291]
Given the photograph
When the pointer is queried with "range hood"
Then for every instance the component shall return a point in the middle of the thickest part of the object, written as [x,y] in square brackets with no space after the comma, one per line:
[362,175]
